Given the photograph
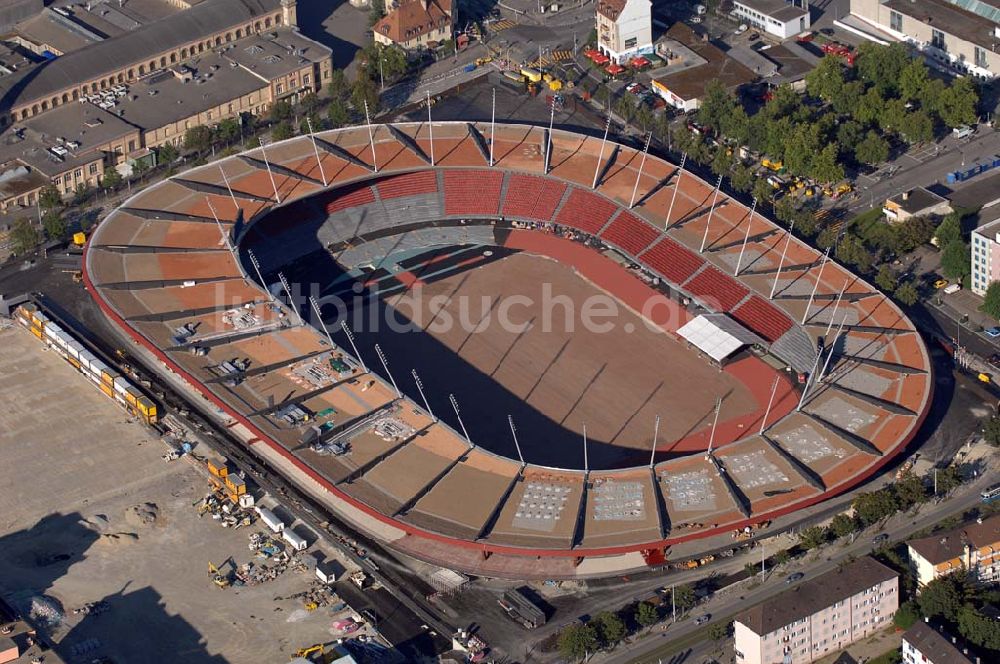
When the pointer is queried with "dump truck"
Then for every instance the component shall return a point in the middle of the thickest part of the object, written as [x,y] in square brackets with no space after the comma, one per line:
[521,609]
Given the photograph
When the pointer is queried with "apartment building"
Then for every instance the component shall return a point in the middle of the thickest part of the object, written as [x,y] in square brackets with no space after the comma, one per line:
[624,28]
[985,255]
[922,644]
[416,24]
[915,202]
[819,616]
[973,549]
[775,17]
[962,34]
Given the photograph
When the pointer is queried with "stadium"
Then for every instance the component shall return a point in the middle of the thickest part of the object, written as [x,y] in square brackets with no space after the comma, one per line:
[740,376]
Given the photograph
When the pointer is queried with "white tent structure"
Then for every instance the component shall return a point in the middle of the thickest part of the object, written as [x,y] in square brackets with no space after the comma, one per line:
[717,335]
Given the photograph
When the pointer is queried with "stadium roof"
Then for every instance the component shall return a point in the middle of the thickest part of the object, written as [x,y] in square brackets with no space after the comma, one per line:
[718,335]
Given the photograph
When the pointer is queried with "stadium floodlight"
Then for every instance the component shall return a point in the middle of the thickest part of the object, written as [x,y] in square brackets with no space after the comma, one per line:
[781,263]
[548,141]
[267,164]
[832,347]
[586,464]
[260,277]
[385,365]
[319,162]
[715,423]
[770,402]
[711,212]
[809,381]
[350,338]
[517,446]
[225,179]
[493,125]
[638,176]
[222,231]
[371,137]
[291,301]
[812,295]
[430,126]
[836,308]
[746,238]
[458,414]
[677,186]
[322,324]
[600,157]
[420,388]
[656,438]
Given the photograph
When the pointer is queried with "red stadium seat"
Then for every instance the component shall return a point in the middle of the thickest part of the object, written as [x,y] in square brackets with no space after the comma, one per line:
[343,201]
[674,262]
[472,192]
[407,184]
[630,233]
[532,197]
[763,318]
[585,211]
[716,289]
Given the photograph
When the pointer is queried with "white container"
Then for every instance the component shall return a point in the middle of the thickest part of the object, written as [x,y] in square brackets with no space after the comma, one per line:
[121,385]
[52,330]
[267,516]
[293,540]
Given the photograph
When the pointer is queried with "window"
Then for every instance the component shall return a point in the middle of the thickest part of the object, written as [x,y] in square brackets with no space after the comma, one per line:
[131,145]
[631,42]
[895,21]
[981,60]
[78,173]
[937,39]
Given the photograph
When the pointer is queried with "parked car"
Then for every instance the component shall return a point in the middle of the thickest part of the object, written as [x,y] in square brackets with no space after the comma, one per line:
[992,332]
[880,539]
[792,578]
[995,360]
[701,620]
[962,131]
[940,283]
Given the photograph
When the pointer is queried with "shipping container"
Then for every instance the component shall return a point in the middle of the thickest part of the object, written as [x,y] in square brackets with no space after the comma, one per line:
[108,377]
[270,520]
[37,331]
[74,349]
[236,484]
[121,385]
[107,390]
[131,394]
[294,540]
[51,329]
[217,468]
[148,409]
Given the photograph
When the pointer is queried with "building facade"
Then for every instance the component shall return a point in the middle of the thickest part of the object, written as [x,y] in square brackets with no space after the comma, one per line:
[775,17]
[973,549]
[961,34]
[985,257]
[916,202]
[624,28]
[416,24]
[818,617]
[922,644]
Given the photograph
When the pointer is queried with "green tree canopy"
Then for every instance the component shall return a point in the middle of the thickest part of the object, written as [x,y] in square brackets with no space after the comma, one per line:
[24,237]
[577,641]
[812,537]
[54,225]
[917,127]
[229,130]
[827,79]
[281,111]
[338,88]
[198,138]
[943,597]
[978,628]
[991,431]
[718,631]
[882,66]
[910,490]
[949,230]
[868,108]
[111,179]
[646,614]
[610,627]
[282,130]
[824,166]
[906,293]
[337,114]
[49,197]
[906,615]
[848,98]
[684,597]
[872,507]
[913,80]
[843,525]
[991,301]
[886,279]
[955,260]
[957,103]
[364,90]
[872,149]
[167,153]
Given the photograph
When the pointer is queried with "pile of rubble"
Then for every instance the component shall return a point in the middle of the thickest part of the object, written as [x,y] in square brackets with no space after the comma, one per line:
[226,512]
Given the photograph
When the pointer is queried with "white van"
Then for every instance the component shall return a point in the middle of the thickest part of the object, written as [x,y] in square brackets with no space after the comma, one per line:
[952,288]
[962,132]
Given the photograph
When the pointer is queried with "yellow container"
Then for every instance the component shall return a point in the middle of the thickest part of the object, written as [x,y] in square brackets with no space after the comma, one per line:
[217,469]
[37,331]
[108,390]
[532,75]
[108,378]
[75,363]
[79,239]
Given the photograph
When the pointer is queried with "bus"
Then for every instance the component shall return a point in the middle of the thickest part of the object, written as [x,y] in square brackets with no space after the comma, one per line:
[991,494]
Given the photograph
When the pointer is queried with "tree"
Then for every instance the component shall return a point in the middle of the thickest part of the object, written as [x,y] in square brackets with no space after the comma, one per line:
[24,237]
[991,302]
[309,102]
[311,120]
[376,12]
[812,537]
[722,162]
[781,556]
[282,130]
[949,230]
[917,127]
[646,614]
[824,167]
[886,279]
[906,615]
[892,115]
[991,431]
[229,130]
[364,91]
[338,88]
[81,193]
[167,153]
[198,139]
[910,490]
[874,506]
[872,149]
[826,80]
[843,525]
[49,197]
[868,108]
[913,80]
[684,597]
[742,178]
[849,134]
[907,294]
[111,179]
[912,233]
[337,114]
[718,631]
[852,250]
[955,260]
[943,597]
[977,628]
[611,627]
[847,100]
[957,103]
[882,66]
[54,225]
[762,191]
[625,106]
[577,641]
[281,111]
[947,479]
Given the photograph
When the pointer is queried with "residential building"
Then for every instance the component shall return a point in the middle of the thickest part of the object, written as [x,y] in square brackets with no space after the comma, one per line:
[962,34]
[973,549]
[916,202]
[691,64]
[775,17]
[985,254]
[922,644]
[819,616]
[416,24]
[624,28]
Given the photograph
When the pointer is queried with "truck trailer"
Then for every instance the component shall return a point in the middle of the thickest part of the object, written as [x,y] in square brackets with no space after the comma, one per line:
[521,609]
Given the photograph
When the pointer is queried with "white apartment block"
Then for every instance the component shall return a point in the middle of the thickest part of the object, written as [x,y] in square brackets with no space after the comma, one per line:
[819,616]
[985,257]
[960,33]
[973,548]
[922,644]
[776,17]
[624,28]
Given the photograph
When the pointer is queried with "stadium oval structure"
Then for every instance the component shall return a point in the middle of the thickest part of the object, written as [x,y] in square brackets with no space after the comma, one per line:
[160,271]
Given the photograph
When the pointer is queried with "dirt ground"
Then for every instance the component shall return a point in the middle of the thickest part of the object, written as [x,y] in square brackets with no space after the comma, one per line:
[518,328]
[74,469]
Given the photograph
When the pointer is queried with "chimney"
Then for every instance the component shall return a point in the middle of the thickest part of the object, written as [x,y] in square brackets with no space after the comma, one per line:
[906,195]
[927,619]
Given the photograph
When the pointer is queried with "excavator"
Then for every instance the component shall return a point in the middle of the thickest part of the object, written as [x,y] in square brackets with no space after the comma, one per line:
[218,578]
[318,650]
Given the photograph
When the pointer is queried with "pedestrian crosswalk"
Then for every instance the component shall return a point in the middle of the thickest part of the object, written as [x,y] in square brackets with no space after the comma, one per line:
[501,25]
[551,58]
